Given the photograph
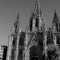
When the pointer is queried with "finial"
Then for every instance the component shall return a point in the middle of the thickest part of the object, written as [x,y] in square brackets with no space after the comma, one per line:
[16,24]
[37,6]
[55,14]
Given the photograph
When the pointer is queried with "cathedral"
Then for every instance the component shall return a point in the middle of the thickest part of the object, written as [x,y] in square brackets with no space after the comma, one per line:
[35,43]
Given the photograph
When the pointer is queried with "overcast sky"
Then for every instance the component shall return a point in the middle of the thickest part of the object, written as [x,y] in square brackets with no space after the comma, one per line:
[10,8]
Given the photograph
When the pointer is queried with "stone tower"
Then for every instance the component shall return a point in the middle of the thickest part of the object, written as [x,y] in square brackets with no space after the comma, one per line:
[56,29]
[36,20]
[35,36]
[15,43]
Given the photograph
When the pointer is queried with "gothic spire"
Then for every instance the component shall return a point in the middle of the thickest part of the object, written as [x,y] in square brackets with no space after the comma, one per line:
[55,19]
[16,24]
[37,8]
[36,21]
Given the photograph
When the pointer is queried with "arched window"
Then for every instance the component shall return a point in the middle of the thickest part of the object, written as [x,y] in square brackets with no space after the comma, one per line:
[31,20]
[37,22]
[33,53]
[21,39]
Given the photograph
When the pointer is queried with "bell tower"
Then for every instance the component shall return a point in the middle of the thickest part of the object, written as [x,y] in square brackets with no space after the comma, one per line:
[37,20]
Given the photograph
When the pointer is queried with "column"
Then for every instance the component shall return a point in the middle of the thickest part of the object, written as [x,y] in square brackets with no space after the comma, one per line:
[27,54]
[45,45]
[54,39]
[9,48]
[17,47]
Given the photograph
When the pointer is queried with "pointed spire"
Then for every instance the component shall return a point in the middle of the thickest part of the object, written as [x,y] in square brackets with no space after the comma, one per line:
[18,16]
[36,18]
[55,19]
[37,8]
[16,24]
[55,14]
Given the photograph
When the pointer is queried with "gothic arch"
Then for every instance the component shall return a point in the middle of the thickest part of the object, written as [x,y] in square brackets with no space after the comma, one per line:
[36,53]
[33,53]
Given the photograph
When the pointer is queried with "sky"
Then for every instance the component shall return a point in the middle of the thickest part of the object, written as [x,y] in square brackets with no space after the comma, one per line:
[10,8]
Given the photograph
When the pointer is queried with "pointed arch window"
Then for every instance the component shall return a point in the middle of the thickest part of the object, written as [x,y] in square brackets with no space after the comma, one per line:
[31,20]
[37,22]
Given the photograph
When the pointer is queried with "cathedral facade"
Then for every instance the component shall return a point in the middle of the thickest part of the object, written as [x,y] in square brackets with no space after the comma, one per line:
[33,43]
